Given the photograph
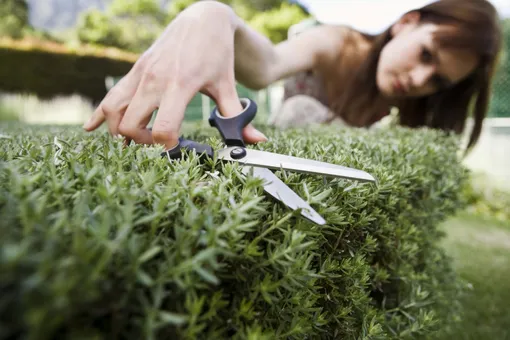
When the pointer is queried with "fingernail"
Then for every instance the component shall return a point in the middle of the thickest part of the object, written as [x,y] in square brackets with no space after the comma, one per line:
[260,135]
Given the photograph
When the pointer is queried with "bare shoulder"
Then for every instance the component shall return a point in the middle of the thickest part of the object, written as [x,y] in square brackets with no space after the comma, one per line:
[327,40]
[317,45]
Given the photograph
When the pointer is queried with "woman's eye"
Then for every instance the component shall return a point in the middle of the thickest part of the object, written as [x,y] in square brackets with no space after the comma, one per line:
[426,56]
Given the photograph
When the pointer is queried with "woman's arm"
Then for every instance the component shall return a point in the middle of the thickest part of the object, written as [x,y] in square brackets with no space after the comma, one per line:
[206,48]
[258,62]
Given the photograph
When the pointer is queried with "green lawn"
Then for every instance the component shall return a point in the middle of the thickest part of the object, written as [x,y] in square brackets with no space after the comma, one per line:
[481,250]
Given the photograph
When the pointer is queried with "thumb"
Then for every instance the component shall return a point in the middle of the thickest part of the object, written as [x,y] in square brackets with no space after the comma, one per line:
[229,106]
[251,135]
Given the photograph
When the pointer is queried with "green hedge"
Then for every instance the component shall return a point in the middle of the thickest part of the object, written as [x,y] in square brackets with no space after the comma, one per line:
[48,73]
[98,241]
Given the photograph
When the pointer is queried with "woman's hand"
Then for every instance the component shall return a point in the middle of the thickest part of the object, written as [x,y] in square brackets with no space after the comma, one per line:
[194,54]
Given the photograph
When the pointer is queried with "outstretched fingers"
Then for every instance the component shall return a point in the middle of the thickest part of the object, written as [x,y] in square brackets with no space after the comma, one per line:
[138,115]
[114,105]
[96,120]
[111,109]
[167,125]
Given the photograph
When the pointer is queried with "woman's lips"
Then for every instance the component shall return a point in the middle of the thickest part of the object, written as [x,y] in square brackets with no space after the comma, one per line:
[398,87]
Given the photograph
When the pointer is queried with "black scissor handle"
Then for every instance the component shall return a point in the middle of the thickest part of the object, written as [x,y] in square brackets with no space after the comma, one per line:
[231,128]
[202,150]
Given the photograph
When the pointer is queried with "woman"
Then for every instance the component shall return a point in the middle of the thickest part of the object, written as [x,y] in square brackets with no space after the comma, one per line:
[433,64]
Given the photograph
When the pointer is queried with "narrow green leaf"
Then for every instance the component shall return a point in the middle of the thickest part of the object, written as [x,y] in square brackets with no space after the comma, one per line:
[207,276]
[144,278]
[149,254]
[173,318]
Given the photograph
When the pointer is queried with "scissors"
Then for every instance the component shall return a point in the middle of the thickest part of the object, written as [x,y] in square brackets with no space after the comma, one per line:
[261,163]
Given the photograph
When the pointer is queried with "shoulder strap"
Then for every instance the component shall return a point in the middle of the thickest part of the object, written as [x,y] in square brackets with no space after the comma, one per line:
[302,26]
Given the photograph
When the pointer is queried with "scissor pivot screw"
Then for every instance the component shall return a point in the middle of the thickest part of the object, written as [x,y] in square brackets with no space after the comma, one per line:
[238,153]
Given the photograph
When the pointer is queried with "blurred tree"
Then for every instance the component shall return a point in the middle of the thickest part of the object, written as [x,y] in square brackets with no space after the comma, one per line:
[137,9]
[13,18]
[264,5]
[135,24]
[141,21]
[96,27]
[60,15]
[128,24]
[269,17]
[276,22]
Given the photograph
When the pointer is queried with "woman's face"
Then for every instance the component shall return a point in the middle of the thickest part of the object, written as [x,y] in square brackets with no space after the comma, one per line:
[412,65]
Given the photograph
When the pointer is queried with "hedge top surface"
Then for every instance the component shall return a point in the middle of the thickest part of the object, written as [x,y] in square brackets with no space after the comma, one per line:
[102,241]
[261,164]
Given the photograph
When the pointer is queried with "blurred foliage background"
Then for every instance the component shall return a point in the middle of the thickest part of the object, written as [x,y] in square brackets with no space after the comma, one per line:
[131,26]
[134,25]
[91,40]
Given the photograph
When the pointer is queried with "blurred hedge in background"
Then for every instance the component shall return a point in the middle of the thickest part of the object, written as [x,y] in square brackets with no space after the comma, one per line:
[51,69]
[98,241]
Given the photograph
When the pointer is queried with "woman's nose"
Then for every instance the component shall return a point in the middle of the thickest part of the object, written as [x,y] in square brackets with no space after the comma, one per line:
[421,76]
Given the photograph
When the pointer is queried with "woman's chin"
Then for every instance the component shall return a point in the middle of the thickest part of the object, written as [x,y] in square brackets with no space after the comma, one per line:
[387,92]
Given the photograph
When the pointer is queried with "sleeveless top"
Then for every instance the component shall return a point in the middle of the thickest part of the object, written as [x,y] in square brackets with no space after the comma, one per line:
[304,83]
[308,83]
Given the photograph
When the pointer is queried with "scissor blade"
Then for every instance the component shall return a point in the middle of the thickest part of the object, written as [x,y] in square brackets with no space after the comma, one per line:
[276,161]
[279,190]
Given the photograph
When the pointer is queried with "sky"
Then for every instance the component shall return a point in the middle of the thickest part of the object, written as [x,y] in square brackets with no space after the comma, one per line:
[382,13]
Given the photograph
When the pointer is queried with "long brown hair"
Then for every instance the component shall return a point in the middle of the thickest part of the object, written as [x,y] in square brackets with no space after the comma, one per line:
[479,30]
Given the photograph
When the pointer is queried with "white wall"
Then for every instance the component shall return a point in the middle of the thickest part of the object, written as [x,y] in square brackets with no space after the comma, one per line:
[491,155]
